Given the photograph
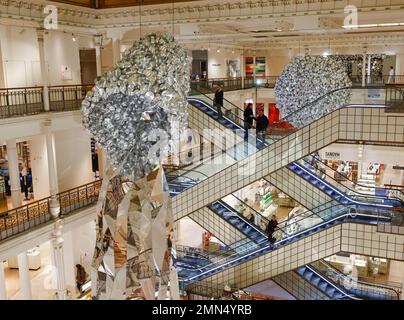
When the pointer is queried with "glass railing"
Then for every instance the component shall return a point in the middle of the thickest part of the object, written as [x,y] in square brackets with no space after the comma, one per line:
[287,232]
[354,286]
[299,118]
[312,165]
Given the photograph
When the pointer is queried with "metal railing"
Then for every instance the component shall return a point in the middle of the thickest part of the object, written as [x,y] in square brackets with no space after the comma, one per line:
[25,217]
[30,100]
[21,101]
[67,98]
[354,286]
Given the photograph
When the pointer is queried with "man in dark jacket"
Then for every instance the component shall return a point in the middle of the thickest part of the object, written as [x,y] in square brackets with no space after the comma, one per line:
[218,100]
[248,119]
[262,124]
[272,224]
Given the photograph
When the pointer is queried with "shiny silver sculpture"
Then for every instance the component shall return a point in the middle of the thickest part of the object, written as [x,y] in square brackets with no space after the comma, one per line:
[135,112]
[310,87]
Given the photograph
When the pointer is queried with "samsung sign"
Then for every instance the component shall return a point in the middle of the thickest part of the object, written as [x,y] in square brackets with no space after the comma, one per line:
[332,155]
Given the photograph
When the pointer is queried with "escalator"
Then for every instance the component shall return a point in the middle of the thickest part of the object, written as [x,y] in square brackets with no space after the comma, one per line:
[279,152]
[325,217]
[337,190]
[339,286]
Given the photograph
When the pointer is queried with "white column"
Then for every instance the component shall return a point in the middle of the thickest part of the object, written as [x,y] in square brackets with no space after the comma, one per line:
[3,292]
[242,71]
[360,156]
[369,67]
[50,150]
[14,172]
[98,44]
[57,260]
[364,69]
[25,281]
[44,73]
[116,50]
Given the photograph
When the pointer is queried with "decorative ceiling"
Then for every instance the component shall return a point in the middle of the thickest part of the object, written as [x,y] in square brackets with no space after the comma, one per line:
[104,4]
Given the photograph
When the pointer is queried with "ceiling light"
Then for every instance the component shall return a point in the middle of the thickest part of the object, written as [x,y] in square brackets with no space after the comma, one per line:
[73,37]
[218,50]
[232,51]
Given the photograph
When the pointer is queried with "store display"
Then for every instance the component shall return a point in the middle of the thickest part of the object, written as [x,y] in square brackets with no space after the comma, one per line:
[249,67]
[307,79]
[260,66]
[136,112]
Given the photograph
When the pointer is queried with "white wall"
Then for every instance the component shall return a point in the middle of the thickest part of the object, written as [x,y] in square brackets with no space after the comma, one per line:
[20,56]
[400,63]
[79,245]
[73,158]
[61,52]
[216,64]
[39,166]
[389,156]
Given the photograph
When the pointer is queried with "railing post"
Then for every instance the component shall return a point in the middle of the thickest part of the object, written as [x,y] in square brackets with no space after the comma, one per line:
[44,74]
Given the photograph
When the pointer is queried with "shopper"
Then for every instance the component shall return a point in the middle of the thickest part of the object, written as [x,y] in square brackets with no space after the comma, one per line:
[248,119]
[262,124]
[272,224]
[81,276]
[218,101]
[391,75]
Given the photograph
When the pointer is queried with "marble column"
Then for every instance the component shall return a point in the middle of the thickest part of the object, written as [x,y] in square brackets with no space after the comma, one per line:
[57,260]
[364,69]
[44,73]
[98,44]
[50,150]
[116,50]
[14,172]
[25,281]
[3,292]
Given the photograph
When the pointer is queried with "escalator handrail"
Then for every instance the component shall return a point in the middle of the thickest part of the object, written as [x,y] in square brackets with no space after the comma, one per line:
[342,216]
[331,282]
[358,184]
[256,212]
[344,208]
[340,274]
[358,194]
[224,99]
[342,194]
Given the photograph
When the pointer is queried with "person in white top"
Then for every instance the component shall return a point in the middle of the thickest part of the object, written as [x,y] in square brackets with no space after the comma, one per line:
[391,75]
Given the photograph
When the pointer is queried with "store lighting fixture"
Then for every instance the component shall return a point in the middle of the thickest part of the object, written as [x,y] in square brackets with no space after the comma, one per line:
[218,50]
[326,53]
[73,37]
[374,25]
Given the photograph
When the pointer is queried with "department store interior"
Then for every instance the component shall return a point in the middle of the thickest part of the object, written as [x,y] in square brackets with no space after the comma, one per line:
[279,176]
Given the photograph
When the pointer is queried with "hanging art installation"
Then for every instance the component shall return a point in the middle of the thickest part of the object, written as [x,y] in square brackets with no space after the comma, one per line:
[311,87]
[136,113]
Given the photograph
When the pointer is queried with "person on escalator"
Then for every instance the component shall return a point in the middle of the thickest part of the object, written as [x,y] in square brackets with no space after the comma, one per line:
[262,124]
[272,224]
[248,119]
[218,100]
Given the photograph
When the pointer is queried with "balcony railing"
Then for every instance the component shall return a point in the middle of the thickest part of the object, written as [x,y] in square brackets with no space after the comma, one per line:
[67,98]
[16,102]
[21,101]
[20,219]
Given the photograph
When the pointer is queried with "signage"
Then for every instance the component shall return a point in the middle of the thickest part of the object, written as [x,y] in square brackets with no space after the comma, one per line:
[332,155]
[216,64]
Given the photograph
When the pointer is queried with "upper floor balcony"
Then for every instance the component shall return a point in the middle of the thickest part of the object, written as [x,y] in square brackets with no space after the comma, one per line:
[25,101]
